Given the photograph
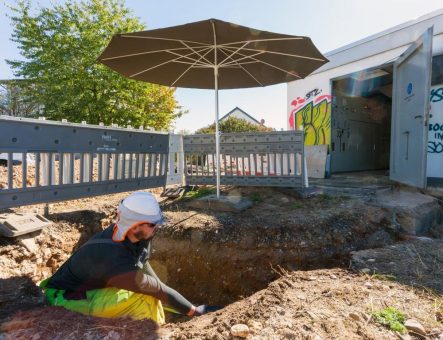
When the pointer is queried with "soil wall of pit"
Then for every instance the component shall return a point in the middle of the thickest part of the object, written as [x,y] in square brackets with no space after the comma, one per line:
[228,259]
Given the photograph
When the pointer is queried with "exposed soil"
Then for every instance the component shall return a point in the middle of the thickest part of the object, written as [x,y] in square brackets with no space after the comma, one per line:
[274,267]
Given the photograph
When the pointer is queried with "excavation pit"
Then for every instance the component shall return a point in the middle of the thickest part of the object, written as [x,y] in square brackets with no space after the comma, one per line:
[220,257]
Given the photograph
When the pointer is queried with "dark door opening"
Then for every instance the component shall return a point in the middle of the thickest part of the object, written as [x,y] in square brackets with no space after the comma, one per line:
[361,121]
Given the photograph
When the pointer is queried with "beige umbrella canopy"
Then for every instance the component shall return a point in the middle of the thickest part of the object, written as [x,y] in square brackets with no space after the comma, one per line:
[212,54]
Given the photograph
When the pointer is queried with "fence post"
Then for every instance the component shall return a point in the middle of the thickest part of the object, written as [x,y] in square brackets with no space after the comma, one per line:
[175,160]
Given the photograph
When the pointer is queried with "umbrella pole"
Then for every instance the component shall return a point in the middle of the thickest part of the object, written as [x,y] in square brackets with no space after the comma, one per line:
[217,135]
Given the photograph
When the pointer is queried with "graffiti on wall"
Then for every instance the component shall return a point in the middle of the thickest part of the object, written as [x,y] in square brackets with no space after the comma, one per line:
[435,140]
[435,133]
[313,112]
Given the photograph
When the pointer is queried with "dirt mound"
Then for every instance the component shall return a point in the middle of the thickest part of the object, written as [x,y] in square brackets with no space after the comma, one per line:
[417,262]
[59,323]
[317,304]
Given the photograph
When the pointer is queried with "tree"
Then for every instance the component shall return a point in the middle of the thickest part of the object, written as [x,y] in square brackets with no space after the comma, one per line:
[14,100]
[233,124]
[61,45]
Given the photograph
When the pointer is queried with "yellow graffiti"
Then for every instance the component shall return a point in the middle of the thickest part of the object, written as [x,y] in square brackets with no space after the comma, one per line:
[316,120]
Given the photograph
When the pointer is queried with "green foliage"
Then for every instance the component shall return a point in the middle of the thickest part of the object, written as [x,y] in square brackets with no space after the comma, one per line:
[233,124]
[255,197]
[391,318]
[200,192]
[298,205]
[60,46]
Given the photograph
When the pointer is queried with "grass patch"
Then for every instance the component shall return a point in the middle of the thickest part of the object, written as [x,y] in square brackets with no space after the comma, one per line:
[298,205]
[325,197]
[383,277]
[391,318]
[329,198]
[255,197]
[200,192]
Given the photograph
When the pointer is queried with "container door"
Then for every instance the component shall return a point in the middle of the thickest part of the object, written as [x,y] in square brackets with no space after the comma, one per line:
[410,112]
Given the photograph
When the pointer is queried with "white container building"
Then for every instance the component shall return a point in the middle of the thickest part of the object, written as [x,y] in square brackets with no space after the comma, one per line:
[378,103]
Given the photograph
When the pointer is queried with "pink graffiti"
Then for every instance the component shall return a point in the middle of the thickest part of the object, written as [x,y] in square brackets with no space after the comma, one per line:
[298,102]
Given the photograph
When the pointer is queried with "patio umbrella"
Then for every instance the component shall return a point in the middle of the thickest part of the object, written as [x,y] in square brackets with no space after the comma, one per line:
[212,54]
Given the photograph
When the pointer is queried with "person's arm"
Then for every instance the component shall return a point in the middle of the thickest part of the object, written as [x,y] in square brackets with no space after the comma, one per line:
[147,269]
[172,294]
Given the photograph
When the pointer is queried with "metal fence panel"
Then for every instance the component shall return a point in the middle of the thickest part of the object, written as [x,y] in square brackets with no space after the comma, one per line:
[250,159]
[61,161]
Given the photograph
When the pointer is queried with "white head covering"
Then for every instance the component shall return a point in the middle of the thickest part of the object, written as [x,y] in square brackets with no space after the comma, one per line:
[139,207]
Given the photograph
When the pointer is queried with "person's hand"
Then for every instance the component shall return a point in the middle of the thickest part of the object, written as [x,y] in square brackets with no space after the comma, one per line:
[200,310]
[203,309]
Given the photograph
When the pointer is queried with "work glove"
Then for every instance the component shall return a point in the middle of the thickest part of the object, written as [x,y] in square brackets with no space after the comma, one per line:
[203,309]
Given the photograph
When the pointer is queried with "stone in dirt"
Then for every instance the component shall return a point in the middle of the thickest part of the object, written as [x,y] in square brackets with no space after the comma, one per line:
[29,244]
[415,326]
[354,316]
[240,330]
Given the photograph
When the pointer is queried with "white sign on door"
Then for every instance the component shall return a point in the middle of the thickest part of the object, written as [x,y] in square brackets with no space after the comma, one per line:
[435,135]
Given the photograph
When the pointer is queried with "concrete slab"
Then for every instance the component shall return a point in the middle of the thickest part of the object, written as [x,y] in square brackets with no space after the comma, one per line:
[359,185]
[415,212]
[13,225]
[225,203]
[316,160]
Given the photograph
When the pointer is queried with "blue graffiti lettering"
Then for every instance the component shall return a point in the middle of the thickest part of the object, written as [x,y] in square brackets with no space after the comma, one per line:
[435,127]
[435,147]
[437,95]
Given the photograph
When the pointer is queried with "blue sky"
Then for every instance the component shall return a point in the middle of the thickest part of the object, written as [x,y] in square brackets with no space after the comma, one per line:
[329,23]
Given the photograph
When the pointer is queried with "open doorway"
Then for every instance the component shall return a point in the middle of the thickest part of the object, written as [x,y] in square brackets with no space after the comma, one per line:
[361,120]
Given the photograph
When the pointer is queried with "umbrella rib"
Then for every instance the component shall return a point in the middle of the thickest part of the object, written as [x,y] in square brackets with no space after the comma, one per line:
[273,66]
[192,59]
[201,56]
[246,57]
[196,63]
[261,40]
[186,71]
[258,82]
[158,65]
[165,39]
[150,52]
[280,53]
[233,53]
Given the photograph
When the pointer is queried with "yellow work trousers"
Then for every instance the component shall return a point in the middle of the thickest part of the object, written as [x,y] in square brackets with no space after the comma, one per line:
[110,303]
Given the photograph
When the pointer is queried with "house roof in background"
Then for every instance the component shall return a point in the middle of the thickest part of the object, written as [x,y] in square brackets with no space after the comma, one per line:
[238,109]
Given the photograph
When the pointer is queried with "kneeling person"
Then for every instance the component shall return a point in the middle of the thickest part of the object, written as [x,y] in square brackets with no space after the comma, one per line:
[110,276]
